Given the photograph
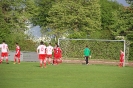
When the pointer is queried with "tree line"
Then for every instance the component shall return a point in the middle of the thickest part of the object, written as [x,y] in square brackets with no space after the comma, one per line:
[95,19]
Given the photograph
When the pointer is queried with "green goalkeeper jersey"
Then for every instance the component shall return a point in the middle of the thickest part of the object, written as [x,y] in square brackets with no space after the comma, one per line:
[87,52]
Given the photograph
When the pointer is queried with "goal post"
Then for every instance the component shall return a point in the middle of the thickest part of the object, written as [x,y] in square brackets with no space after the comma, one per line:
[101,49]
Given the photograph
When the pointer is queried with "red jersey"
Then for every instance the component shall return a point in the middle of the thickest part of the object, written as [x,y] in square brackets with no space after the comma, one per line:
[121,56]
[57,53]
[17,50]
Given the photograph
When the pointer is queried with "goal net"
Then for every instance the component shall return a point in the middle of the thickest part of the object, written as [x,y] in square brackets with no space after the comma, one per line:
[101,50]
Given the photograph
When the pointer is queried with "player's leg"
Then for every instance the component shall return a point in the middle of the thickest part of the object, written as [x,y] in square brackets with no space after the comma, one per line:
[40,59]
[2,57]
[1,60]
[86,59]
[15,59]
[55,61]
[50,59]
[6,56]
[44,61]
[7,59]
[18,56]
[40,62]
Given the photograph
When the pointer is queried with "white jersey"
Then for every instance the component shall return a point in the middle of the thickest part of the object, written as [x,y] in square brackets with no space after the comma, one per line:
[4,48]
[49,50]
[42,49]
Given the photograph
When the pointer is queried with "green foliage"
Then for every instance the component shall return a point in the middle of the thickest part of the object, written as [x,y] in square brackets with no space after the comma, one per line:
[74,15]
[100,49]
[13,15]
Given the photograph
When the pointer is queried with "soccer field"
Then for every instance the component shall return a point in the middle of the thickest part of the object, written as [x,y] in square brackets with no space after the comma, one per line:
[30,75]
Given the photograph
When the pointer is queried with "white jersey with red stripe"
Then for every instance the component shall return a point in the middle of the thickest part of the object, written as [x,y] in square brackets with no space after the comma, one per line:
[49,50]
[4,48]
[41,49]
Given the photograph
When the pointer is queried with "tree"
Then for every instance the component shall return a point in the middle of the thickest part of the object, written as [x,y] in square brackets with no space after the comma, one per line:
[14,15]
[74,16]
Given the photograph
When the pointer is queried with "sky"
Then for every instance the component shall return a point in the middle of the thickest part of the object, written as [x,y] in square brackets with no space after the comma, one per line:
[35,31]
[122,2]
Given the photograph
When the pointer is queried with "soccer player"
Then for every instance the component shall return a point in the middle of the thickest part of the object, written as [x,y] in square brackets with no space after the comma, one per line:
[121,58]
[57,55]
[4,52]
[41,50]
[49,53]
[17,54]
[87,54]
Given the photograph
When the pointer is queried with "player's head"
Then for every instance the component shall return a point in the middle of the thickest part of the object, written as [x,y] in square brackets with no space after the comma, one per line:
[41,42]
[49,43]
[16,43]
[121,51]
[3,41]
[86,45]
[57,45]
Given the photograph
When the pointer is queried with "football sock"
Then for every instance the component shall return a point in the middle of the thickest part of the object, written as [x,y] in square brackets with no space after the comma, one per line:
[18,60]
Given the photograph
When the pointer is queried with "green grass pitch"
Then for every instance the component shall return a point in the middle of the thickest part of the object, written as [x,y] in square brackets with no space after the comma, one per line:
[30,75]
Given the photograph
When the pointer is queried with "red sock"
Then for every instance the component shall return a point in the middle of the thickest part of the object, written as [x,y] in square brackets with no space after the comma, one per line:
[40,64]
[0,61]
[15,60]
[44,64]
[18,60]
[6,60]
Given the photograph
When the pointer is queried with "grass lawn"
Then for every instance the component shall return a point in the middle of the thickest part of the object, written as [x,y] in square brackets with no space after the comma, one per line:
[30,75]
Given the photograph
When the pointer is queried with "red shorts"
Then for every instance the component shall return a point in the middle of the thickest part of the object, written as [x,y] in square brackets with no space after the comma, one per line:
[4,54]
[49,56]
[57,56]
[17,55]
[121,60]
[42,56]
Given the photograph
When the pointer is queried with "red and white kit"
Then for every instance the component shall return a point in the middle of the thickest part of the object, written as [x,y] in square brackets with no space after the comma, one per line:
[41,50]
[17,52]
[57,55]
[4,52]
[49,51]
[121,58]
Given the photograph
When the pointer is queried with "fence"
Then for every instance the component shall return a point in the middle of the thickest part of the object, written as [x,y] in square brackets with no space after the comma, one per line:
[25,56]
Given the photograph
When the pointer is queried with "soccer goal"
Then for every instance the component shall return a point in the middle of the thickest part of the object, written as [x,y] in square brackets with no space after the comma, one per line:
[101,50]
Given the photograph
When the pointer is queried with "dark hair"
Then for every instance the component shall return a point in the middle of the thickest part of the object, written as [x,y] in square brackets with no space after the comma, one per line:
[86,45]
[57,45]
[41,42]
[49,43]
[16,43]
[3,40]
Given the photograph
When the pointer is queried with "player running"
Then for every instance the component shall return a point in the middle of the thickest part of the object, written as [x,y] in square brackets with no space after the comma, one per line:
[4,52]
[49,53]
[17,54]
[41,50]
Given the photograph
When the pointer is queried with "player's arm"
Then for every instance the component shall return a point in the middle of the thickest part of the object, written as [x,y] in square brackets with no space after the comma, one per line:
[8,49]
[17,51]
[37,51]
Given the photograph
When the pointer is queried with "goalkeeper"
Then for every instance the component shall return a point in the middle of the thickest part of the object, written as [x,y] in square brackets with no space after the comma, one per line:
[87,54]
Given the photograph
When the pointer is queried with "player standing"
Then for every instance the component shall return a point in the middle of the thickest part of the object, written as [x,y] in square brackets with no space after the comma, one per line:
[4,52]
[17,54]
[87,54]
[41,50]
[57,55]
[121,58]
[49,53]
